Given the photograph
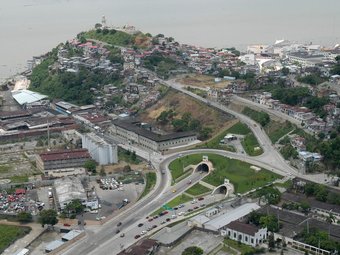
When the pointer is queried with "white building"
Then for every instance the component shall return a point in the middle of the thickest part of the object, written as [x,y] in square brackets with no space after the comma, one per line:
[29,98]
[245,233]
[305,59]
[100,150]
[248,59]
[136,133]
[69,189]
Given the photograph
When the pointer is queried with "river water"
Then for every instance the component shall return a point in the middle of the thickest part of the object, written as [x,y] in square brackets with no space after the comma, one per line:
[32,27]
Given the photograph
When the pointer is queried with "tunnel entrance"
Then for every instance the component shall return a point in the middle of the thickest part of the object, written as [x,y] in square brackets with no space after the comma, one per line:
[203,168]
[222,190]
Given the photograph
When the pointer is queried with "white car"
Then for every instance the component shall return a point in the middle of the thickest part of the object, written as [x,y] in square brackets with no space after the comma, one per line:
[143,233]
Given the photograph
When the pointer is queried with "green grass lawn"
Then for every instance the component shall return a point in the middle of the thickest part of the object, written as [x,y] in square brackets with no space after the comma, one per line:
[276,130]
[244,249]
[4,169]
[8,235]
[238,129]
[249,144]
[197,190]
[176,167]
[19,179]
[239,173]
[116,38]
[150,183]
[181,199]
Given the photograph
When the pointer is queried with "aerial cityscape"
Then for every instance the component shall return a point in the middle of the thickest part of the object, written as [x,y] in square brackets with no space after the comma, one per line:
[122,141]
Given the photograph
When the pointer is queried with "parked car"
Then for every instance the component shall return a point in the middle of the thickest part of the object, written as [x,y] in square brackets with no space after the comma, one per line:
[117,231]
[122,235]
[119,224]
[137,236]
[200,198]
[140,225]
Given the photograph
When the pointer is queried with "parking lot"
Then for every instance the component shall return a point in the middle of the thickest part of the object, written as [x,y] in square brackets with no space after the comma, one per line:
[20,200]
[112,199]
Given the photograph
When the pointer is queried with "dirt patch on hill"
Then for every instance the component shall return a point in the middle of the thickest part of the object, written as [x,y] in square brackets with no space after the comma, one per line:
[180,103]
[202,81]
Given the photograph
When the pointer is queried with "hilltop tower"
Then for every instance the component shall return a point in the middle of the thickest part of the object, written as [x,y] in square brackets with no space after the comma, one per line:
[104,25]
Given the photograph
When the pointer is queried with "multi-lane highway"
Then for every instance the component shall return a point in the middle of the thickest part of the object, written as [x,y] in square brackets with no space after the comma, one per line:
[104,240]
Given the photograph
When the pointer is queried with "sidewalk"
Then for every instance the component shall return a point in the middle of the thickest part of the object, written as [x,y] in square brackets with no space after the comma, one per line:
[26,240]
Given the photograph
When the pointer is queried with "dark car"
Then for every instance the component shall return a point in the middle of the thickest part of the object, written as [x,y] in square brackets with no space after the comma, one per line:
[122,235]
[67,225]
[196,207]
[200,198]
[151,219]
[140,225]
[154,226]
[175,208]
[168,219]
[190,210]
[202,205]
[155,217]
[117,231]
[137,236]
[119,224]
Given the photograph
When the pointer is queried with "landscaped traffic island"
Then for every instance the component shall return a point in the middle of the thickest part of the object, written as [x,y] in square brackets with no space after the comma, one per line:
[239,173]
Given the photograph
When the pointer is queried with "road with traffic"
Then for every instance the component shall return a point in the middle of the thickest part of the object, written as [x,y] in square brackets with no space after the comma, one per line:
[104,240]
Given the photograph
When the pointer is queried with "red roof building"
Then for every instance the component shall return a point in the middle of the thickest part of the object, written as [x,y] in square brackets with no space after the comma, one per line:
[62,159]
[20,191]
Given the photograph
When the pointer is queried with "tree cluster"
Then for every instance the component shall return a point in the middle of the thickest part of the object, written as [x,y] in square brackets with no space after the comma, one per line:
[185,123]
[318,238]
[303,206]
[162,65]
[269,221]
[336,67]
[48,217]
[90,165]
[300,96]
[71,87]
[24,217]
[321,193]
[74,208]
[270,195]
[312,79]
[288,151]
[260,117]
[192,250]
